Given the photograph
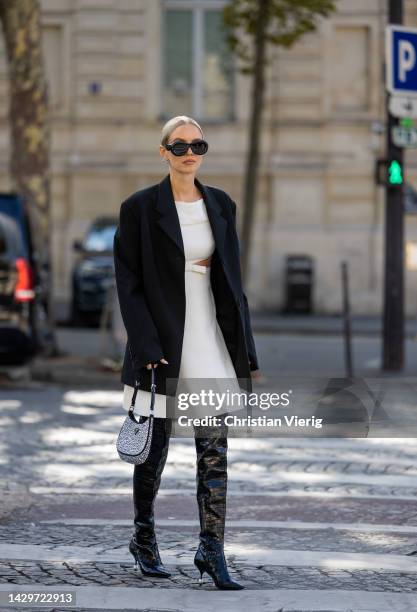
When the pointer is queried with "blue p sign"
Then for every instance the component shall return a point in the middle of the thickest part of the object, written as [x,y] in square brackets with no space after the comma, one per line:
[401,48]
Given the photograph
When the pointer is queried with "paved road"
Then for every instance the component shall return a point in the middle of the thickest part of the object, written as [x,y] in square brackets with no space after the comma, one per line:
[313,524]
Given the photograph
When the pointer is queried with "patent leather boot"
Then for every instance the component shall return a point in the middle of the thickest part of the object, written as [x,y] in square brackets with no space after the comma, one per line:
[211,498]
[210,558]
[147,558]
[146,480]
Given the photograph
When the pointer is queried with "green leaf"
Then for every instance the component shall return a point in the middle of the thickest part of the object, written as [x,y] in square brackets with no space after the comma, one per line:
[283,22]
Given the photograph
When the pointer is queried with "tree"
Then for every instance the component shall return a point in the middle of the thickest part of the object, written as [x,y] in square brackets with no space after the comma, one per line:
[29,123]
[264,22]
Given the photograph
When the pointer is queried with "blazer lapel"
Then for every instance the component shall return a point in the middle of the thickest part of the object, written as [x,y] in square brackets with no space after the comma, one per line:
[169,221]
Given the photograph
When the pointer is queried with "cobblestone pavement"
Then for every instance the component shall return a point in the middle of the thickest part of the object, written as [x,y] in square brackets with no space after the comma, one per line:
[310,522]
[115,537]
[259,577]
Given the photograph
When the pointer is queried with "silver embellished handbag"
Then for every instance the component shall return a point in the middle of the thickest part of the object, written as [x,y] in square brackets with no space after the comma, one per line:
[135,437]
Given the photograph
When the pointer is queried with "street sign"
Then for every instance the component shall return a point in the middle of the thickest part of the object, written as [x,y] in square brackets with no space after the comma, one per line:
[404,137]
[401,60]
[400,106]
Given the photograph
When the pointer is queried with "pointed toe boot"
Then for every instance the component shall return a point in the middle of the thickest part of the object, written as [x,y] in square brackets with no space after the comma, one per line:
[211,498]
[146,480]
[147,559]
[210,558]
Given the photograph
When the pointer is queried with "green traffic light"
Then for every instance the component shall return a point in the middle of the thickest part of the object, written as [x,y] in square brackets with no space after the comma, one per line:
[395,173]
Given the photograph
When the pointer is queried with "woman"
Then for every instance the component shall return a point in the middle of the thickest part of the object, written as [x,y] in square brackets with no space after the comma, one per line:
[179,285]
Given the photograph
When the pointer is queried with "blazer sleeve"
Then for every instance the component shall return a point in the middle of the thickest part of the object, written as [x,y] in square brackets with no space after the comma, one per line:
[253,359]
[143,340]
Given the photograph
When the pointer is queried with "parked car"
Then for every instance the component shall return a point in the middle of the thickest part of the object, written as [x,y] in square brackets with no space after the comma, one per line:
[93,273]
[24,325]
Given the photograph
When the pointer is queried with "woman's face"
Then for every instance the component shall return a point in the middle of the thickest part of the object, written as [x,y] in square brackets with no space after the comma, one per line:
[182,164]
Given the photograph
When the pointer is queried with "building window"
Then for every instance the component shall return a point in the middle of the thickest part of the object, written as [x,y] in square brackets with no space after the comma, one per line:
[197,74]
[52,42]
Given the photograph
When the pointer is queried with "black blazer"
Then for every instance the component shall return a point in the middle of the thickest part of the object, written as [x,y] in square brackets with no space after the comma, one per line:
[149,267]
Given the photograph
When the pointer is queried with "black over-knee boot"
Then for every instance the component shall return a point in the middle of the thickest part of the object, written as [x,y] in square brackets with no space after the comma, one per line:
[146,481]
[211,498]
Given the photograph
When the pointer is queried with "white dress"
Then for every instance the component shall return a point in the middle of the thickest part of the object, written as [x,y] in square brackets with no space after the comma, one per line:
[204,351]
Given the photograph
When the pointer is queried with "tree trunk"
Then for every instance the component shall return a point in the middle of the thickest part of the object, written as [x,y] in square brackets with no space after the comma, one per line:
[252,161]
[30,126]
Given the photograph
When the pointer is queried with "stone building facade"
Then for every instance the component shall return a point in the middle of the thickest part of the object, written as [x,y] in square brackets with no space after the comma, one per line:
[118,70]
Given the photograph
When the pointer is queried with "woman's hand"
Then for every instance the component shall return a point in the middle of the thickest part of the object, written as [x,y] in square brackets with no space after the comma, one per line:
[155,365]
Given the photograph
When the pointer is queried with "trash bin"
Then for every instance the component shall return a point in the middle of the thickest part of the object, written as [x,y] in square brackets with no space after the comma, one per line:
[299,272]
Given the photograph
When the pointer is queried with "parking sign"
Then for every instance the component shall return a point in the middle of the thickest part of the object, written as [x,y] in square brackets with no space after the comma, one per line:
[401,60]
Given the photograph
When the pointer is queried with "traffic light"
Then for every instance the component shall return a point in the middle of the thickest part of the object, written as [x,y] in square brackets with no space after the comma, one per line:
[395,173]
[389,173]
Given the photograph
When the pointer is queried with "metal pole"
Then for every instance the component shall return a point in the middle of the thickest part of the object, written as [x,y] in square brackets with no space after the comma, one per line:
[393,318]
[347,321]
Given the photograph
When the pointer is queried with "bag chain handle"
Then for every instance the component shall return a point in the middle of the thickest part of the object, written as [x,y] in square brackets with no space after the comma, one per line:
[153,388]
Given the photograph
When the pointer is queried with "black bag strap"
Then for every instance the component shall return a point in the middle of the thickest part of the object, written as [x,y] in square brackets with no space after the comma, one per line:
[135,392]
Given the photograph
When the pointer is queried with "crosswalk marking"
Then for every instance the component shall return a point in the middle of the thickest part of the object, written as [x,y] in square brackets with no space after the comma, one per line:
[247,524]
[248,473]
[286,600]
[340,493]
[240,553]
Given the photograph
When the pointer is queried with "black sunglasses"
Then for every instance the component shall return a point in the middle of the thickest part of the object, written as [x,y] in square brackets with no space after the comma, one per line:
[178,148]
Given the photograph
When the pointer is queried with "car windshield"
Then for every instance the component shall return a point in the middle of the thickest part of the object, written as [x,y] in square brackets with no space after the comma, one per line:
[100,238]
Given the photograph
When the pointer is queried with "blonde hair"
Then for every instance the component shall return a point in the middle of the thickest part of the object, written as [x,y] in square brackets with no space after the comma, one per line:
[173,123]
